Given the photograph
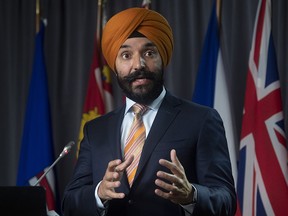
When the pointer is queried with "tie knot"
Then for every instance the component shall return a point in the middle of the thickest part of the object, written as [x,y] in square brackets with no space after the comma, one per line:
[139,109]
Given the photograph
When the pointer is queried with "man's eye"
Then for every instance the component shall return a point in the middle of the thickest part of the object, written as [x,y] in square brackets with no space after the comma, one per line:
[125,56]
[149,53]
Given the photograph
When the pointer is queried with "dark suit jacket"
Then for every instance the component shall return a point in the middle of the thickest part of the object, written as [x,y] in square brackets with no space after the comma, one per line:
[195,132]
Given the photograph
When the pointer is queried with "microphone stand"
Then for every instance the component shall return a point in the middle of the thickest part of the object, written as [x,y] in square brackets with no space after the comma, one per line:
[64,152]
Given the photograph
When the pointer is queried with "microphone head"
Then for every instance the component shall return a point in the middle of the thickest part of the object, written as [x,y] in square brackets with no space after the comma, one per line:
[67,148]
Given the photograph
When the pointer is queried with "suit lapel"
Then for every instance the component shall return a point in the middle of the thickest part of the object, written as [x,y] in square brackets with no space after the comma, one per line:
[165,116]
[115,135]
[115,144]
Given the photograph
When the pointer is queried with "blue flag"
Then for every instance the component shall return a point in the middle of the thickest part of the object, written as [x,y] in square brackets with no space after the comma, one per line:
[37,147]
[206,76]
[211,85]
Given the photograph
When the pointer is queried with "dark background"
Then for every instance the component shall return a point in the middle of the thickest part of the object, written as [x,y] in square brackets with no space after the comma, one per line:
[68,50]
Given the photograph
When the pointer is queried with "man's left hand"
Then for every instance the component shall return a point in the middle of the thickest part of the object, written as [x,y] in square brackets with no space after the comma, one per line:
[174,186]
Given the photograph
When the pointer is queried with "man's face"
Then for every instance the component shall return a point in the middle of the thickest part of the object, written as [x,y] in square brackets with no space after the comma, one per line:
[139,70]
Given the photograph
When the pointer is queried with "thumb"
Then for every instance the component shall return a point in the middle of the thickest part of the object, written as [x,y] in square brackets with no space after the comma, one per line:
[174,157]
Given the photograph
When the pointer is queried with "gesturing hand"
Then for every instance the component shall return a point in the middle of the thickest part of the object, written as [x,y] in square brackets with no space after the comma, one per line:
[179,190]
[111,179]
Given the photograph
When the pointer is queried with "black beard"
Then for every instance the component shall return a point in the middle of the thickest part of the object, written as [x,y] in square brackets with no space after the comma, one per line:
[143,94]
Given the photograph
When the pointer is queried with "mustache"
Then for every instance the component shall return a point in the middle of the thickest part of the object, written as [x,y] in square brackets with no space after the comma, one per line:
[140,74]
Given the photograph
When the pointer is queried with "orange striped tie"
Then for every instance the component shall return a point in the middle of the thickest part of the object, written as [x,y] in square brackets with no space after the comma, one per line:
[135,140]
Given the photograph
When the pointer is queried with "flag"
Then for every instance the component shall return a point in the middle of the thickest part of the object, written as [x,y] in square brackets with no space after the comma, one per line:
[99,98]
[94,104]
[36,153]
[262,187]
[106,72]
[211,85]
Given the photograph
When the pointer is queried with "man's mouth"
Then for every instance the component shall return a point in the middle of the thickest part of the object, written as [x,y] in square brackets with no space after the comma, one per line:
[141,81]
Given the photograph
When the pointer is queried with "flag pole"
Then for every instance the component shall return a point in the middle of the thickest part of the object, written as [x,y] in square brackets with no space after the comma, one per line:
[146,4]
[99,23]
[218,12]
[37,15]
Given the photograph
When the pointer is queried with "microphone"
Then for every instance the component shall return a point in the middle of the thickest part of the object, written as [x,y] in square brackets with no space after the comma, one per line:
[64,152]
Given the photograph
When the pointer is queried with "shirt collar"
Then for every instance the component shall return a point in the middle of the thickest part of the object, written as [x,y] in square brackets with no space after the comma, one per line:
[153,106]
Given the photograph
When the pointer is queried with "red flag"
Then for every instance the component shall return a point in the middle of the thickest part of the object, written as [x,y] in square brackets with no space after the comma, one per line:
[263,175]
[99,98]
[94,105]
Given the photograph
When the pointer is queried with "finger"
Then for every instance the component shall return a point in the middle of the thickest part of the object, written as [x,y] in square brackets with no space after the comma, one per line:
[110,185]
[121,167]
[162,194]
[169,196]
[116,176]
[107,192]
[168,177]
[113,164]
[171,166]
[174,158]
[114,195]
[164,185]
[109,174]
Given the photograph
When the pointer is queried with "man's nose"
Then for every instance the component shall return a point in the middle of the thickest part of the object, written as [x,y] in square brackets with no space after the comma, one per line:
[139,63]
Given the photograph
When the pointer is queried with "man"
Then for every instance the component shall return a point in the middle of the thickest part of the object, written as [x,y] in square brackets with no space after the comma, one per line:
[180,165]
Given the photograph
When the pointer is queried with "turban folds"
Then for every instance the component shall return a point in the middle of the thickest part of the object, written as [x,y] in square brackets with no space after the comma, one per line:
[147,22]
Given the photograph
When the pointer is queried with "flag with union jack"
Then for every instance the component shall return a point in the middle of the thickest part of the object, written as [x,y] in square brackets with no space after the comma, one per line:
[262,186]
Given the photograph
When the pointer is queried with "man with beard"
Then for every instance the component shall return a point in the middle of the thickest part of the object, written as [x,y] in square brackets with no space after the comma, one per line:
[174,161]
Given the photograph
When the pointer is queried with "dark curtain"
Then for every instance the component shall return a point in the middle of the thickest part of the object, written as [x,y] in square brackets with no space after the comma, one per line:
[69,42]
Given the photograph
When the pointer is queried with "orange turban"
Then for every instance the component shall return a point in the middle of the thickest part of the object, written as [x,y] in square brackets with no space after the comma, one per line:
[147,22]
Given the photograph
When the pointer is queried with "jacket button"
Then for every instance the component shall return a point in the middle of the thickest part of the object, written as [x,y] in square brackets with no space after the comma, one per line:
[130,202]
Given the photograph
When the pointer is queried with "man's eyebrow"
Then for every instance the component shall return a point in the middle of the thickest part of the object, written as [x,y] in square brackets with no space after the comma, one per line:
[150,44]
[124,46]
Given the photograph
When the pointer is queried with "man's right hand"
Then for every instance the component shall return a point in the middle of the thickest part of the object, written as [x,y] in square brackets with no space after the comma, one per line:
[111,179]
